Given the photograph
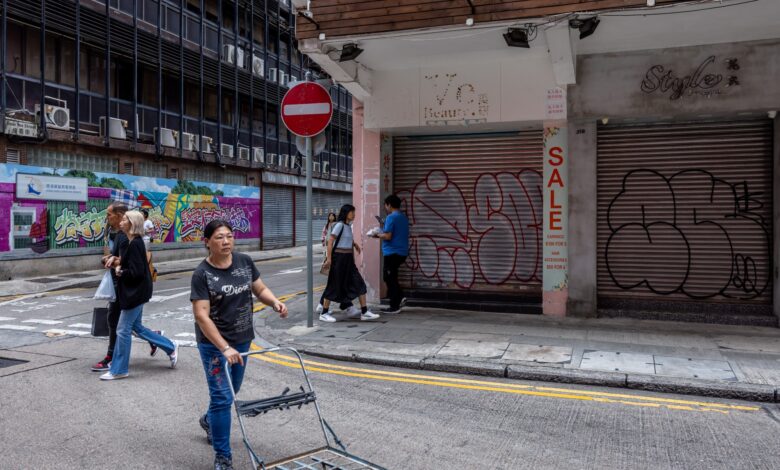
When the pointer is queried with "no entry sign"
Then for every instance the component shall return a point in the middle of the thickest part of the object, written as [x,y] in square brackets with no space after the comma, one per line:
[307,109]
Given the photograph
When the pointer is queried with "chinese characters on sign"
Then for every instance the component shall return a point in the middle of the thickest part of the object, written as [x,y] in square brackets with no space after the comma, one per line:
[51,188]
[555,250]
[709,79]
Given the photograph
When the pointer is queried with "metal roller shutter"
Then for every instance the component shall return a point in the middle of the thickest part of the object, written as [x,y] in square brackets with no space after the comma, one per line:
[323,202]
[685,217]
[277,217]
[475,207]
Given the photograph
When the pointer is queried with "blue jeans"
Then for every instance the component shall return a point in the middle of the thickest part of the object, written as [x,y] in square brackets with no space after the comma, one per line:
[221,399]
[130,321]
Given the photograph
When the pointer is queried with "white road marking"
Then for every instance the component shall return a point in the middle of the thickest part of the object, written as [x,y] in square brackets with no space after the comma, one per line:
[191,344]
[290,271]
[185,335]
[7,318]
[172,289]
[17,327]
[24,297]
[56,331]
[307,109]
[81,325]
[42,322]
[165,298]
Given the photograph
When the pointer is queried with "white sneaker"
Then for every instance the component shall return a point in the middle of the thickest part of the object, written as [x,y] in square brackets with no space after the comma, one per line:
[353,312]
[174,356]
[327,317]
[110,376]
[318,309]
[369,315]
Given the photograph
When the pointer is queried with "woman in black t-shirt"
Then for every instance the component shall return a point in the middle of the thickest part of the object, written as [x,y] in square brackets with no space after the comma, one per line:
[221,295]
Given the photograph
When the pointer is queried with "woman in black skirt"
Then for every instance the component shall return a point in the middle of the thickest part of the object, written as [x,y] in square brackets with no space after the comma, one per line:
[344,280]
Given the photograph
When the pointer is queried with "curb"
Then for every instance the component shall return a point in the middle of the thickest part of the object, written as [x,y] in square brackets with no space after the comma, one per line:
[89,283]
[728,390]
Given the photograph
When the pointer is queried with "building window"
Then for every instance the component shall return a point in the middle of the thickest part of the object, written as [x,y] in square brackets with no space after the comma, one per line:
[61,160]
[210,103]
[14,57]
[152,170]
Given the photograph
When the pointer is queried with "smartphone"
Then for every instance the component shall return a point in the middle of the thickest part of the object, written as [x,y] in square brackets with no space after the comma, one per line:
[380,220]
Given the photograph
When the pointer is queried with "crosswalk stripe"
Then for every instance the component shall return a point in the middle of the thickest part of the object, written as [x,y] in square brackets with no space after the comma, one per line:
[7,318]
[17,327]
[42,322]
[56,331]
[81,325]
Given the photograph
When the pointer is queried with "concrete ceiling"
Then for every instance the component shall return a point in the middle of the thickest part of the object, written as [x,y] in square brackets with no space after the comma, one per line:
[651,28]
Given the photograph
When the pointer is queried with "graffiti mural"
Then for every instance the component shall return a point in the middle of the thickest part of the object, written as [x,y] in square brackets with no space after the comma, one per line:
[70,226]
[700,236]
[492,237]
[178,210]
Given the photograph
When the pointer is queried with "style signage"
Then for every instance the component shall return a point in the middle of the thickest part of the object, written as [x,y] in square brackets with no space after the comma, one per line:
[51,188]
[710,78]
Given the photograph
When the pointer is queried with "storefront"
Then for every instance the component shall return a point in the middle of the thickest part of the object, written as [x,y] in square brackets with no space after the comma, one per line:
[686,200]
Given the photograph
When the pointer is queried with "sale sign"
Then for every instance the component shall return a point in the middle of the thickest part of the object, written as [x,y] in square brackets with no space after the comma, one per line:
[556,211]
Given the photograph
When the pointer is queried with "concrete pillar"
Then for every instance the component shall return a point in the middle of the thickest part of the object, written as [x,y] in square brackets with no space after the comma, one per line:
[555,270]
[366,197]
[583,219]
[776,226]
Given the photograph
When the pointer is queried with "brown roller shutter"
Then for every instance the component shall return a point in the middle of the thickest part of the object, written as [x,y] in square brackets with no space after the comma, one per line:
[685,216]
[475,207]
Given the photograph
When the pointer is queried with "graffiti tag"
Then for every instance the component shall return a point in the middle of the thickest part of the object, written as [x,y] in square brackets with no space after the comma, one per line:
[70,226]
[194,219]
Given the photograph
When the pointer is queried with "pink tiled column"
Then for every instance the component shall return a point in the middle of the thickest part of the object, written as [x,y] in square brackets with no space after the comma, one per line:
[366,197]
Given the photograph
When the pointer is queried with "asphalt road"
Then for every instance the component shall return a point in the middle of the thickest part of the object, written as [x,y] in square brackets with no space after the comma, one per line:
[55,413]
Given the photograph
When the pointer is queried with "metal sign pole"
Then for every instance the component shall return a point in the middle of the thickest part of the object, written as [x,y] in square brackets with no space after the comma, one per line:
[309,250]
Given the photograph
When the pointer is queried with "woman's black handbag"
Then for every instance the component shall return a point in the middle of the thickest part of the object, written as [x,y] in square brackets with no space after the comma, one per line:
[100,321]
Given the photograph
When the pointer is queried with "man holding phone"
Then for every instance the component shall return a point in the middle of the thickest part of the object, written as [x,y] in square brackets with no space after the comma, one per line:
[395,249]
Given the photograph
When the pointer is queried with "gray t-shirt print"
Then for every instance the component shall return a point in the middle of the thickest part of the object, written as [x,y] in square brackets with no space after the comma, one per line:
[229,292]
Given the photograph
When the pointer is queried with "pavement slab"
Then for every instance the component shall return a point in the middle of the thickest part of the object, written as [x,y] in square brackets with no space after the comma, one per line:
[538,353]
[392,334]
[480,349]
[618,362]
[694,368]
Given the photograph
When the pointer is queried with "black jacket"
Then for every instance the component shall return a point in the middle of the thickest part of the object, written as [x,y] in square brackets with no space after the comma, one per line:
[135,283]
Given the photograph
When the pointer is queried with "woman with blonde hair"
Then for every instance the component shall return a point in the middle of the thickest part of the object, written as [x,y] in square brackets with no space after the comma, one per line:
[134,289]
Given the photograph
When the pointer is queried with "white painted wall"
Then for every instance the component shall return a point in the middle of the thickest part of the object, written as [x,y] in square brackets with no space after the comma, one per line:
[481,92]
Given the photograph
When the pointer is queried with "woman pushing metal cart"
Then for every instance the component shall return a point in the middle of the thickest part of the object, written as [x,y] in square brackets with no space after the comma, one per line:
[326,457]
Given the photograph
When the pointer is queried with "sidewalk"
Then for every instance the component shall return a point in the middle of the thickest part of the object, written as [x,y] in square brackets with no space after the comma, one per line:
[39,285]
[724,361]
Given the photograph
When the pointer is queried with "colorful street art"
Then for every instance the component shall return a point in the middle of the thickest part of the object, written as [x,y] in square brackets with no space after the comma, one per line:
[177,216]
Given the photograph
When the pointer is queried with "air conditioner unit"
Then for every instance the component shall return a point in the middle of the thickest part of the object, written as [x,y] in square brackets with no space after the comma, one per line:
[272,74]
[293,79]
[57,115]
[243,152]
[205,144]
[283,77]
[325,167]
[258,154]
[270,159]
[258,66]
[166,137]
[316,167]
[227,151]
[117,128]
[334,172]
[284,160]
[189,142]
[230,56]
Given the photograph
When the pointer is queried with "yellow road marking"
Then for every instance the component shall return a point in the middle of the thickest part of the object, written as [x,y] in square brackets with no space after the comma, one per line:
[285,298]
[518,389]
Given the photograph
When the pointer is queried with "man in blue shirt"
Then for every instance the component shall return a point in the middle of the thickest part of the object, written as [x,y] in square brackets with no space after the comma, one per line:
[395,249]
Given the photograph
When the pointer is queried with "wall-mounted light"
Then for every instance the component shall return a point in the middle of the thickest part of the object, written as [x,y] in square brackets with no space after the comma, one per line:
[517,37]
[651,3]
[772,114]
[469,21]
[321,36]
[350,51]
[586,27]
[605,120]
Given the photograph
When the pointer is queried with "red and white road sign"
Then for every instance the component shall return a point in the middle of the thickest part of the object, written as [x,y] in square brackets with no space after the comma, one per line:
[307,109]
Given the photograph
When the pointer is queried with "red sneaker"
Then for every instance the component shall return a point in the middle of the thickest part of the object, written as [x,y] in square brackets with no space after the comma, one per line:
[102,365]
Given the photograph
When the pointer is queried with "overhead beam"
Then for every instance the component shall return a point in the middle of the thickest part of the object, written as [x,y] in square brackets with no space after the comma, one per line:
[561,47]
[355,77]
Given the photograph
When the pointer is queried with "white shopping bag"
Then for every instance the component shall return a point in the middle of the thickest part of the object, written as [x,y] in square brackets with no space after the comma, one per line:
[105,290]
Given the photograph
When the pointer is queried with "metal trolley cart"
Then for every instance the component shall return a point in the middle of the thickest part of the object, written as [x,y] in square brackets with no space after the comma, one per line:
[326,457]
